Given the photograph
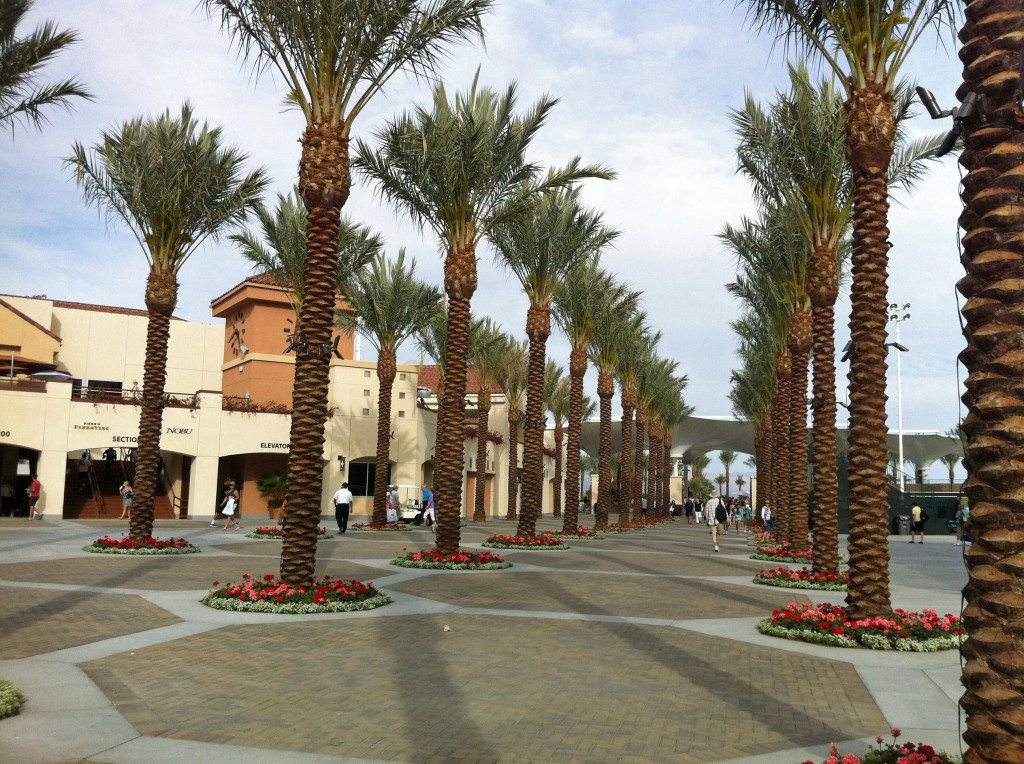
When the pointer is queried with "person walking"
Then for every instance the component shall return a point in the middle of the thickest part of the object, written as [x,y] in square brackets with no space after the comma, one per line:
[429,518]
[231,509]
[109,457]
[342,504]
[394,502]
[916,522]
[718,519]
[127,500]
[766,517]
[219,510]
[34,490]
[688,509]
[962,516]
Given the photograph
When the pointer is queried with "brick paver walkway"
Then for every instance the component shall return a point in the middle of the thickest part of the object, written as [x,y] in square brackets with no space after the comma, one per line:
[595,654]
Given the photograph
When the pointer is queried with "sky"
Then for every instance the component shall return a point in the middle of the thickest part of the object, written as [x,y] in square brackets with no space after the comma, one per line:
[644,87]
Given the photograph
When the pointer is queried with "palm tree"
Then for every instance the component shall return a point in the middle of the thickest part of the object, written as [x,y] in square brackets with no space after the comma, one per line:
[334,56]
[388,305]
[541,247]
[21,58]
[993,246]
[727,457]
[951,461]
[635,352]
[720,480]
[174,185]
[279,250]
[699,463]
[604,346]
[461,169]
[866,45]
[740,482]
[488,358]
[586,295]
[513,380]
[587,466]
[556,401]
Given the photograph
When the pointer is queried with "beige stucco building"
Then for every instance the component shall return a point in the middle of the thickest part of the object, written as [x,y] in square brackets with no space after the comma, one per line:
[70,379]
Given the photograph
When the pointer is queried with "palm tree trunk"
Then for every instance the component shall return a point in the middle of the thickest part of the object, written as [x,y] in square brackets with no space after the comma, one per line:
[993,241]
[823,288]
[800,338]
[653,471]
[161,299]
[449,454]
[312,377]
[628,398]
[483,404]
[638,459]
[557,487]
[763,460]
[870,131]
[605,391]
[386,370]
[668,469]
[780,446]
[577,370]
[538,328]
[514,415]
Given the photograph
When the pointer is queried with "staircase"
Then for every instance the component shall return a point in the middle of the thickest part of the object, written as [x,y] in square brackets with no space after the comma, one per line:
[101,499]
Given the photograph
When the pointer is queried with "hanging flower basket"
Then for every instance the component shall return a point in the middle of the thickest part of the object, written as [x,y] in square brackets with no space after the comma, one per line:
[464,559]
[805,578]
[269,595]
[825,624]
[276,532]
[124,545]
[496,541]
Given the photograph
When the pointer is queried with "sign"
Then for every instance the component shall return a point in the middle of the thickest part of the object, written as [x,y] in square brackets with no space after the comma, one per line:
[91,426]
[274,446]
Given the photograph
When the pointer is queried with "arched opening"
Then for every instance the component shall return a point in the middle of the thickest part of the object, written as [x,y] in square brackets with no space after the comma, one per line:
[17,465]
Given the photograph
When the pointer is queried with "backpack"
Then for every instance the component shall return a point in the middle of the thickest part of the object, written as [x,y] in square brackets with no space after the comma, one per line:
[721,515]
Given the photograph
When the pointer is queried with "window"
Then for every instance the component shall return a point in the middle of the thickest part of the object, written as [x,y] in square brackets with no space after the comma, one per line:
[401,414]
[366,373]
[366,412]
[366,393]
[402,376]
[361,476]
[401,396]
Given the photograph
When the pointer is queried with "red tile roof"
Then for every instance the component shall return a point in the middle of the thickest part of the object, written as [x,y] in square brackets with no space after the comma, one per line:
[28,320]
[105,309]
[267,278]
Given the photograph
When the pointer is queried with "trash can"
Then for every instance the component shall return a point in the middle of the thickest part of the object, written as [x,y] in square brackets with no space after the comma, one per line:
[903,525]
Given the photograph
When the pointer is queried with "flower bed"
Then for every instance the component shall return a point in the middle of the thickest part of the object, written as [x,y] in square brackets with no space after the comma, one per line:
[764,539]
[384,527]
[581,533]
[908,753]
[464,559]
[10,699]
[268,595]
[496,541]
[784,554]
[275,532]
[124,545]
[805,578]
[825,624]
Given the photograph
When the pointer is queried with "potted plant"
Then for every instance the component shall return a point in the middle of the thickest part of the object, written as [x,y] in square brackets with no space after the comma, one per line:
[273,486]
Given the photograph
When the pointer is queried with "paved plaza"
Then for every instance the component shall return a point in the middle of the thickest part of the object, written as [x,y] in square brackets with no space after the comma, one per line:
[635,648]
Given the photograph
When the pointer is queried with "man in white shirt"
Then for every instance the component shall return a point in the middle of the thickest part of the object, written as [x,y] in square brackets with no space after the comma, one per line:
[342,504]
[766,516]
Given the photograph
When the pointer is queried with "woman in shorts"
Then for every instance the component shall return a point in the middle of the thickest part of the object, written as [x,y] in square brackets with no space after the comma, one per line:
[230,510]
[127,500]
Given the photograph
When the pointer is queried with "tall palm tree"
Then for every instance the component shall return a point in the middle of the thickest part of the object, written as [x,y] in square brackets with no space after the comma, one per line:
[634,353]
[174,185]
[727,457]
[513,380]
[540,247]
[993,244]
[951,461]
[587,294]
[279,249]
[488,357]
[556,401]
[740,482]
[604,354]
[460,168]
[866,44]
[388,305]
[334,56]
[21,58]
[699,463]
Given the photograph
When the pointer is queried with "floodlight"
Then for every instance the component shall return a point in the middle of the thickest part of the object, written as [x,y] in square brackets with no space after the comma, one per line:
[928,99]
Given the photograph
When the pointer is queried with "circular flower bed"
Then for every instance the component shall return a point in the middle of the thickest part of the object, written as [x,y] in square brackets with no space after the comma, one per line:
[384,527]
[784,554]
[763,539]
[464,559]
[275,532]
[805,578]
[268,595]
[825,624]
[907,753]
[496,541]
[10,699]
[581,533]
[125,545]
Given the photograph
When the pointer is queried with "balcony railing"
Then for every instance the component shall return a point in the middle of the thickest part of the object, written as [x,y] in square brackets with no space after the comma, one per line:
[23,385]
[132,397]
